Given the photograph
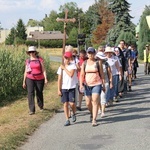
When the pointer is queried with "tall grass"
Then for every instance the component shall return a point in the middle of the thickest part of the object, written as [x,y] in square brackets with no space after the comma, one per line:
[12,65]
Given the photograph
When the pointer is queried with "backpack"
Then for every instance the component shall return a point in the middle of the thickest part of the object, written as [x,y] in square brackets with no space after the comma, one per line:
[97,66]
[29,60]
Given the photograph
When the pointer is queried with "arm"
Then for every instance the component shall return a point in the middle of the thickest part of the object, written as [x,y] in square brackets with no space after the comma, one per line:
[59,83]
[82,76]
[44,72]
[102,73]
[24,78]
[119,68]
[110,76]
[70,73]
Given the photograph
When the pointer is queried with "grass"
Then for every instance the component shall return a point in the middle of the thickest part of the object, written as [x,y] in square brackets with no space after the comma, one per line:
[15,122]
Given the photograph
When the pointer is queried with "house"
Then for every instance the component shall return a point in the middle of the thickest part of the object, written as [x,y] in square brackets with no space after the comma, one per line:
[46,35]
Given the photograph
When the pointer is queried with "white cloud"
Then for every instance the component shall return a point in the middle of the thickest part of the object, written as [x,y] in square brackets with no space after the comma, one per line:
[15,5]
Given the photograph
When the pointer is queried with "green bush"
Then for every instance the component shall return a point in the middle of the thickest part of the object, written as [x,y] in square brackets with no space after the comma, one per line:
[11,73]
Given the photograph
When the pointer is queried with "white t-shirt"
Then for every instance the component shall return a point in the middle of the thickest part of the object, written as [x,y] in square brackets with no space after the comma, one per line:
[112,63]
[67,81]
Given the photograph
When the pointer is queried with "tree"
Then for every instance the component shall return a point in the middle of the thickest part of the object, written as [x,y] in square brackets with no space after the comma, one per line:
[107,20]
[122,19]
[49,22]
[144,34]
[10,40]
[21,32]
[126,36]
[72,40]
[32,23]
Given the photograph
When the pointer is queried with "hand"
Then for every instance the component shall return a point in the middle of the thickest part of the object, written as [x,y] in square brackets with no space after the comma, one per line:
[111,86]
[120,77]
[24,85]
[59,93]
[81,88]
[103,88]
[62,67]
[46,81]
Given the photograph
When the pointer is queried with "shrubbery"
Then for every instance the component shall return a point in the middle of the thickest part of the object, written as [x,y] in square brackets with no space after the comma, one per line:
[12,70]
[50,43]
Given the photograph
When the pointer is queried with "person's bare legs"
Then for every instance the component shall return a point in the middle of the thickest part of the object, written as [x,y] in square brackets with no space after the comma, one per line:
[66,110]
[80,99]
[89,103]
[95,98]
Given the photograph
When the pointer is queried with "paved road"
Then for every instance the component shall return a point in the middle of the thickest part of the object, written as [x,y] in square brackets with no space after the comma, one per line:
[55,58]
[125,127]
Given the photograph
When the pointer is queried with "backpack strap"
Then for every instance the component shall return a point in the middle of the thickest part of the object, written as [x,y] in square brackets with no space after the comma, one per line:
[98,67]
[29,60]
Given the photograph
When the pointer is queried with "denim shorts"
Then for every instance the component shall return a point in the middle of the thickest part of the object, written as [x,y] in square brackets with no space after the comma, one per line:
[68,95]
[89,90]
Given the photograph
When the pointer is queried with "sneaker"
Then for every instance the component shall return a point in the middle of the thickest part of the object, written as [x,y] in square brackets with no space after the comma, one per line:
[130,89]
[31,113]
[115,99]
[79,108]
[74,118]
[67,123]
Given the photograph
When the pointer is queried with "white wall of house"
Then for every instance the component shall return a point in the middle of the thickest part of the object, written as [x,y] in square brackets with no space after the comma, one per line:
[4,33]
[32,29]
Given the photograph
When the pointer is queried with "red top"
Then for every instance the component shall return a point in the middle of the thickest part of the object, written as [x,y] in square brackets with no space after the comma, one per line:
[81,60]
[36,72]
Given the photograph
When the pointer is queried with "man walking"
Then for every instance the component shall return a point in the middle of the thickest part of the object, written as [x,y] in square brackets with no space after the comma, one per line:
[147,60]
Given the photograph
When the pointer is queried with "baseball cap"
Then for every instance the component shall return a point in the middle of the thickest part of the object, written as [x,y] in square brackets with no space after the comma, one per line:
[91,49]
[68,54]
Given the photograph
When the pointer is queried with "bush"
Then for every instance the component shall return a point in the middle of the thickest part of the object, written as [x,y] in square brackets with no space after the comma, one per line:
[11,73]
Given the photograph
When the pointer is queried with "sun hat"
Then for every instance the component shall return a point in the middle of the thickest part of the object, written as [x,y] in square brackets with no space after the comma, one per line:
[68,54]
[116,49]
[101,55]
[109,50]
[31,49]
[91,49]
[147,45]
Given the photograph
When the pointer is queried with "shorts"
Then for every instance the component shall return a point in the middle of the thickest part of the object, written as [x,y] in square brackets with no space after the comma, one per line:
[68,95]
[89,90]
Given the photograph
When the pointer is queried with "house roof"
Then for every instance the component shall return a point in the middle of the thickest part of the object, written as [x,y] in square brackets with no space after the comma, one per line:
[46,35]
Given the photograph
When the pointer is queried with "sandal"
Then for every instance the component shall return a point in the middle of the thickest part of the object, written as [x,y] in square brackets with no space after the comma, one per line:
[94,123]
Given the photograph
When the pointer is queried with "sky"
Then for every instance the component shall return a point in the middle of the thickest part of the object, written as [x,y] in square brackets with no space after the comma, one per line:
[13,10]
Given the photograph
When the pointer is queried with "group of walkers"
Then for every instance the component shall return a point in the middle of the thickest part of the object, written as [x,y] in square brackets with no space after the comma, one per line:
[100,76]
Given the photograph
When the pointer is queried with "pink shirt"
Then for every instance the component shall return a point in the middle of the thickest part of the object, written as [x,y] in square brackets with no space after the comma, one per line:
[36,72]
[92,77]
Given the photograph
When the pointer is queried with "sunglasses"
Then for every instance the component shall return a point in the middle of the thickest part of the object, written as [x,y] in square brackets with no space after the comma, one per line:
[31,52]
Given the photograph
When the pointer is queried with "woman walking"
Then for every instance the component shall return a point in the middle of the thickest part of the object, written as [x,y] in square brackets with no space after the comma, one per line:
[92,74]
[34,79]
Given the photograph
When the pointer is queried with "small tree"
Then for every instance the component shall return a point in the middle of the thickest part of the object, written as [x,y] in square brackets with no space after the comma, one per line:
[10,40]
[21,32]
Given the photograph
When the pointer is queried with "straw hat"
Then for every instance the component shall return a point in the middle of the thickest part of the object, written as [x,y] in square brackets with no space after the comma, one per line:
[109,50]
[32,49]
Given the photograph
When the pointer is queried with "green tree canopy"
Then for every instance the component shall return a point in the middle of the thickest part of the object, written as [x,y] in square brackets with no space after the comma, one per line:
[144,34]
[11,37]
[21,31]
[122,19]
